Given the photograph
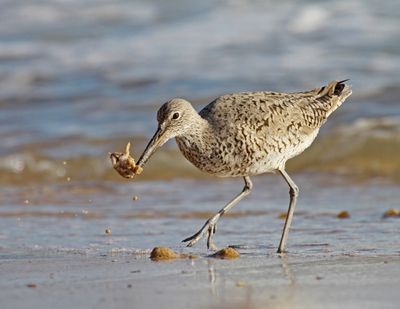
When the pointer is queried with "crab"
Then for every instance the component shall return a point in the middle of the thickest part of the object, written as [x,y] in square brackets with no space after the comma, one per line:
[124,163]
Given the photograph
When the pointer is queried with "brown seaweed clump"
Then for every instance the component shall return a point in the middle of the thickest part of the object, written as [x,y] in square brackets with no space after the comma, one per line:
[393,212]
[226,253]
[124,163]
[163,253]
[343,215]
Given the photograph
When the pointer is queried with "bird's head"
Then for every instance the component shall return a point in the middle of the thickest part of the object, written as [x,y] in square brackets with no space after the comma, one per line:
[174,119]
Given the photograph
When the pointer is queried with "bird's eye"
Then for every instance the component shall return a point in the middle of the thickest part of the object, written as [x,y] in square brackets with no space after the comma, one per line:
[175,116]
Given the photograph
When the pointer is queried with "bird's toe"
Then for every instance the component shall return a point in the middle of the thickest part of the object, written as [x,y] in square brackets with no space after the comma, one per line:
[192,240]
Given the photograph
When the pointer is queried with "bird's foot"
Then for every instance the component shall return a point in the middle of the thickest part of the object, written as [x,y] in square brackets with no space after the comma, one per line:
[210,228]
[281,251]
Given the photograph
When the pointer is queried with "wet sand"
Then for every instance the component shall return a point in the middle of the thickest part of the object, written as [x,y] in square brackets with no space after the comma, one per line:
[55,252]
[133,281]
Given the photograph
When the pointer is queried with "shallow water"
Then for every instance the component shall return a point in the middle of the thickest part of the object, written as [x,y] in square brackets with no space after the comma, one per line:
[80,78]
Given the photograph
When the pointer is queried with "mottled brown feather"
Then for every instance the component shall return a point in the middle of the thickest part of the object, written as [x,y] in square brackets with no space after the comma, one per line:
[254,132]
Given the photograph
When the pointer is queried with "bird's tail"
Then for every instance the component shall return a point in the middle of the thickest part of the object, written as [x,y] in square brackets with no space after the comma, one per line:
[335,93]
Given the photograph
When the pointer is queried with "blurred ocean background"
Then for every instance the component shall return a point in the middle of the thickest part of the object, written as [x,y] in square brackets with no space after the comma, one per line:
[80,78]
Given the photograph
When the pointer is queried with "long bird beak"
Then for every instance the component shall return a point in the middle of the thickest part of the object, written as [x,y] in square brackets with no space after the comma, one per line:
[155,142]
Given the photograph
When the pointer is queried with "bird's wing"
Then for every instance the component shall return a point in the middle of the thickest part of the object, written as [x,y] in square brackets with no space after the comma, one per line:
[275,113]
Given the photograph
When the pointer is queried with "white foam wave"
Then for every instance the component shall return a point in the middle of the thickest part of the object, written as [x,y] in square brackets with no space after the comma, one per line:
[251,41]
[310,18]
[23,163]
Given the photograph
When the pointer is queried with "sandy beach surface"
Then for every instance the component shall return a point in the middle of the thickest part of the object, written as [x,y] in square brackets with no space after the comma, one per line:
[133,281]
[55,253]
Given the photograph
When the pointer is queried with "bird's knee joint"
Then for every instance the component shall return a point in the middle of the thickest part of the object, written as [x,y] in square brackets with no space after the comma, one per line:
[248,187]
[247,190]
[294,191]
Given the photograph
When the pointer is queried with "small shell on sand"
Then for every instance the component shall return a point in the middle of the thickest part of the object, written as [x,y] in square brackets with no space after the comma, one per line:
[226,253]
[393,212]
[31,285]
[282,215]
[124,163]
[343,215]
[241,284]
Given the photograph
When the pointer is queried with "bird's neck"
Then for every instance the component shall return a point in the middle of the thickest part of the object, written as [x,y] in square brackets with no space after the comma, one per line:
[196,141]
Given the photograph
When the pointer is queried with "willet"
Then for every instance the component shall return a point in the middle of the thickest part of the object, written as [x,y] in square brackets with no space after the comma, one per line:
[246,134]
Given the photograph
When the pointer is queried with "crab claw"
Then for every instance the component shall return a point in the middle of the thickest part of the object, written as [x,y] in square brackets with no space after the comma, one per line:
[128,149]
[124,164]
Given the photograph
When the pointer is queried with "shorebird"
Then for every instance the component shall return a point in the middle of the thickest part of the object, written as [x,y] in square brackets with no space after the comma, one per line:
[246,134]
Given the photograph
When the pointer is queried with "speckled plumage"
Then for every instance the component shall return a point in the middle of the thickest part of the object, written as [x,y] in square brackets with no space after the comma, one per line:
[245,134]
[251,133]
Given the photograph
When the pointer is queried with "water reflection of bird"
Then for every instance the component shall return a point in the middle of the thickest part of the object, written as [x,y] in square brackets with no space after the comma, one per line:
[246,134]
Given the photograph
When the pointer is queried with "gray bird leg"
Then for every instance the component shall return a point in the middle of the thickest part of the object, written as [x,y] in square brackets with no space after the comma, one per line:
[210,225]
[293,193]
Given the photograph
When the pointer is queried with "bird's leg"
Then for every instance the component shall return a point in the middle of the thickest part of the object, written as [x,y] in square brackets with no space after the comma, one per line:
[293,193]
[210,225]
